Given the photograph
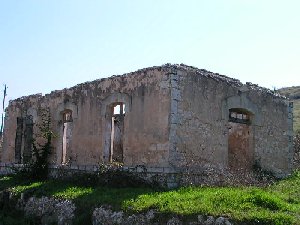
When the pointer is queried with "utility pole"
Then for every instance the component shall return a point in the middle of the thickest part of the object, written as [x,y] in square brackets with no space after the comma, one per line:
[3,103]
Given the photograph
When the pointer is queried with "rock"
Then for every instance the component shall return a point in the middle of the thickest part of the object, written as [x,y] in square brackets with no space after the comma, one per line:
[174,221]
[193,223]
[50,210]
[136,220]
[117,217]
[210,220]
[201,219]
[227,222]
[220,221]
[102,216]
[150,215]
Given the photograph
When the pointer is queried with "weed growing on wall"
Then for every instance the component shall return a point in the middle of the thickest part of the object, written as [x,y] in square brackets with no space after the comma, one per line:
[37,168]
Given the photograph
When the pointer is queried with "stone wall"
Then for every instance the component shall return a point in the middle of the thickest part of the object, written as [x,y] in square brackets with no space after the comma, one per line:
[177,119]
[201,136]
[145,94]
[296,160]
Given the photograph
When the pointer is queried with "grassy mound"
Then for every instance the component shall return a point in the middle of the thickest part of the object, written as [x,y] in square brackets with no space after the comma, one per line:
[276,204]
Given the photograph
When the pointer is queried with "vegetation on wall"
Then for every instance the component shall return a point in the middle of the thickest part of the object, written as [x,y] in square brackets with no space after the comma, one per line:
[37,168]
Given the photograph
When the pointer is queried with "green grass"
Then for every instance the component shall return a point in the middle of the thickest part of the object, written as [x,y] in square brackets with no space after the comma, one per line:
[85,197]
[277,204]
[242,204]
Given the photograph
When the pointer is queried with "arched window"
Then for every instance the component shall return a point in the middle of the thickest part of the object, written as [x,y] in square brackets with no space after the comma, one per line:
[67,116]
[66,134]
[117,131]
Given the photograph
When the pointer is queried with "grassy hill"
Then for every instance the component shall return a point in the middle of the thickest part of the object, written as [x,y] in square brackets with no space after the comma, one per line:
[277,204]
[293,93]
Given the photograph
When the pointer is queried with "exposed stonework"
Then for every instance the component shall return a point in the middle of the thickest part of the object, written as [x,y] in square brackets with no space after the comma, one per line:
[177,119]
[297,151]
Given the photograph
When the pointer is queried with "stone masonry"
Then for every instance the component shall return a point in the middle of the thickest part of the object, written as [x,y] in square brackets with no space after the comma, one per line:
[169,119]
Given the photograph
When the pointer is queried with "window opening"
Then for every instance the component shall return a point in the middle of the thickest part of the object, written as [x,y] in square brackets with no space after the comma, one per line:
[119,109]
[18,140]
[239,116]
[117,130]
[67,116]
[28,137]
[67,134]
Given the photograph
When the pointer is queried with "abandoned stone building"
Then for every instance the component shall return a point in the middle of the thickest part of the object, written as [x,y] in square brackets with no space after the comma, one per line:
[169,119]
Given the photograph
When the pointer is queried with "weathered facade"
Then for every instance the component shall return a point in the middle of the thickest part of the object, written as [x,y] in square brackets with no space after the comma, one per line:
[170,118]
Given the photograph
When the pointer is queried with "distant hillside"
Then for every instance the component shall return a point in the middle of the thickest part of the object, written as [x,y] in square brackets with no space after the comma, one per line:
[293,93]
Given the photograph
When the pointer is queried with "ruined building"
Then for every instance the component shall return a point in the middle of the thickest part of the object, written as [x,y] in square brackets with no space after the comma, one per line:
[169,119]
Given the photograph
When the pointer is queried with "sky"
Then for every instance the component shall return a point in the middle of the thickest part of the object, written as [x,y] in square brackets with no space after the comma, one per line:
[48,45]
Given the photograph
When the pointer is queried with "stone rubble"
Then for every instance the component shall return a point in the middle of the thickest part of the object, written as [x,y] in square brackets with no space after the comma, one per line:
[103,216]
[50,210]
[47,210]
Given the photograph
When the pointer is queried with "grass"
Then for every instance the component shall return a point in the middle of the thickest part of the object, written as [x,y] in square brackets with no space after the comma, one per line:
[276,204]
[86,197]
[270,206]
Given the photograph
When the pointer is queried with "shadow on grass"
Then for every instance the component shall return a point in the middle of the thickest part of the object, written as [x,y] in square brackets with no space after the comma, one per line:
[7,182]
[269,205]
[85,196]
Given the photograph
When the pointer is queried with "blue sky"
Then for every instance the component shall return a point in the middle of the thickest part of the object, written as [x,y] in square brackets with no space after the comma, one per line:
[48,45]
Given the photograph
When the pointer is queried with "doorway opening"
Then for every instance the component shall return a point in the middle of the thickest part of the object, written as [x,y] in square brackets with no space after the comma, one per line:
[28,138]
[24,139]
[240,140]
[117,131]
[18,140]
[67,134]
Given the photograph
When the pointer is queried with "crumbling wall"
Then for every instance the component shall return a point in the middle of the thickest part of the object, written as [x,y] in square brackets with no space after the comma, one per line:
[20,116]
[145,139]
[176,118]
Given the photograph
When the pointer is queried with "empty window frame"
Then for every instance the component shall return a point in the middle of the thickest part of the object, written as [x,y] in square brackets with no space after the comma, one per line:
[67,116]
[117,131]
[239,116]
[119,109]
[28,139]
[66,134]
